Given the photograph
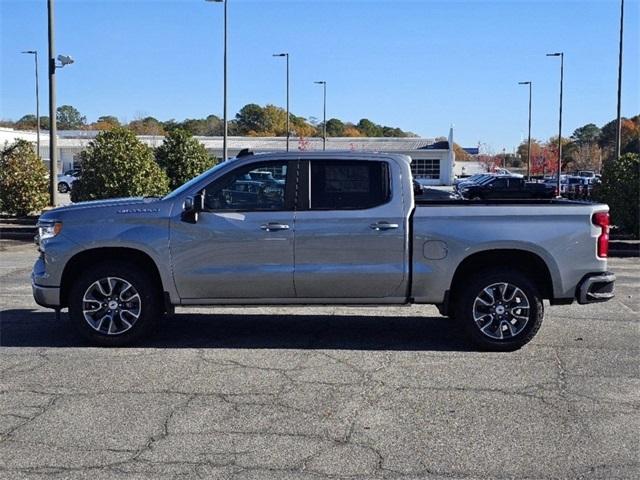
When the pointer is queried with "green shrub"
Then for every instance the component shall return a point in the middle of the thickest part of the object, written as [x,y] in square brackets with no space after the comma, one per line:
[620,190]
[24,187]
[182,157]
[117,164]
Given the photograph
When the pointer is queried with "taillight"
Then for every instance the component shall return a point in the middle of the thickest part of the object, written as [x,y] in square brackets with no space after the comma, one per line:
[601,219]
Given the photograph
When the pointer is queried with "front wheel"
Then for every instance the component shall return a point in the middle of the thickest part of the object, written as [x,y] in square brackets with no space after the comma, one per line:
[114,304]
[63,187]
[501,309]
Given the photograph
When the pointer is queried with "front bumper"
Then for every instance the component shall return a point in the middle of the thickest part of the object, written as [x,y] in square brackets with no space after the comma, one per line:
[596,287]
[48,297]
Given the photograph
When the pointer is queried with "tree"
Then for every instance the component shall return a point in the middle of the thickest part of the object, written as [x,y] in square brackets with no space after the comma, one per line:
[146,126]
[274,122]
[301,127]
[26,122]
[350,130]
[182,157]
[630,132]
[620,190]
[69,118]
[23,179]
[335,128]
[250,118]
[461,154]
[489,162]
[587,134]
[105,122]
[368,128]
[117,164]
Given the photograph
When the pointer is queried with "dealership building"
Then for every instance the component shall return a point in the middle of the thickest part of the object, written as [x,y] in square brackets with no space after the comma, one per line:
[433,161]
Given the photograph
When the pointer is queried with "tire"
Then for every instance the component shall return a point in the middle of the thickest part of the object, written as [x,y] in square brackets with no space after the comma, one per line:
[499,325]
[114,304]
[63,187]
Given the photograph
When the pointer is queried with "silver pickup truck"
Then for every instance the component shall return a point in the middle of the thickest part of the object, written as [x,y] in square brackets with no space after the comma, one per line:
[319,228]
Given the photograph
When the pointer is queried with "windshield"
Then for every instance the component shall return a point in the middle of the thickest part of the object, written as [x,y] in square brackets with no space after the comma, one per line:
[186,186]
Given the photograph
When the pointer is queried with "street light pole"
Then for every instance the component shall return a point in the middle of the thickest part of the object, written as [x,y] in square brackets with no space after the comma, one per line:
[529,141]
[619,124]
[324,113]
[224,88]
[561,55]
[35,54]
[53,148]
[287,56]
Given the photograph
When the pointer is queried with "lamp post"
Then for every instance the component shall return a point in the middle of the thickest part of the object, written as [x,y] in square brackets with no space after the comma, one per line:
[618,124]
[561,55]
[224,93]
[35,54]
[529,141]
[324,112]
[287,56]
[63,61]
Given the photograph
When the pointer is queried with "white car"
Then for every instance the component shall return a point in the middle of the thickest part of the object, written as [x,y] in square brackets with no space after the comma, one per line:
[66,179]
[504,171]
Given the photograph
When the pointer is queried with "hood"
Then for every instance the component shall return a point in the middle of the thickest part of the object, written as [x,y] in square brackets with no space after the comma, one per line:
[123,203]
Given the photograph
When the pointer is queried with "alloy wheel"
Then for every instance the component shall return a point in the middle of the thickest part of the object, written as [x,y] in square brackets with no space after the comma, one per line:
[111,306]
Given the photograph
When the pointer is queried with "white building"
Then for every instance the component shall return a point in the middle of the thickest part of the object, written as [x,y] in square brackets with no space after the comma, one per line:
[433,162]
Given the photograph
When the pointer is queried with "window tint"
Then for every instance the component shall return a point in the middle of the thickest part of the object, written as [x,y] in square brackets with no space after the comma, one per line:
[348,185]
[255,187]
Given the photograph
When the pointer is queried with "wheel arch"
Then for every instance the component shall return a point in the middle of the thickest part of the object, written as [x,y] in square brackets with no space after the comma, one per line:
[86,258]
[527,262]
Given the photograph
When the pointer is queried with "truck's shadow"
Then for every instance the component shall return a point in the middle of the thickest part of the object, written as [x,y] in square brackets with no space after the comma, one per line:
[28,328]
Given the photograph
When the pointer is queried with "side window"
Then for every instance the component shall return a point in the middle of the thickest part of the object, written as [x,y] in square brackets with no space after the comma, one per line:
[255,187]
[348,185]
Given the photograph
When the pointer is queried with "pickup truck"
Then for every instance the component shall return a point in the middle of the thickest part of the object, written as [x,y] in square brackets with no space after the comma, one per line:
[497,187]
[342,228]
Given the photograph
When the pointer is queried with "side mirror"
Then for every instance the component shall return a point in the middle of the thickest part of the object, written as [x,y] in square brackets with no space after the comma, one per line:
[192,207]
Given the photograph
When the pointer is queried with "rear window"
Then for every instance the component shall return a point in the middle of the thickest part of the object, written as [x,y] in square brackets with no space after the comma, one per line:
[349,185]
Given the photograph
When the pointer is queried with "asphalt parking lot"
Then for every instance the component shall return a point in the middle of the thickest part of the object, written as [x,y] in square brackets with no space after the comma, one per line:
[306,393]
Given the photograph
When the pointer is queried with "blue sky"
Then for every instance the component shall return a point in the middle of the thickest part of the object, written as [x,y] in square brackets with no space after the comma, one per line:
[418,65]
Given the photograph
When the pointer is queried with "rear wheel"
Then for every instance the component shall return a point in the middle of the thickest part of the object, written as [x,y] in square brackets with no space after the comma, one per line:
[63,187]
[114,304]
[500,309]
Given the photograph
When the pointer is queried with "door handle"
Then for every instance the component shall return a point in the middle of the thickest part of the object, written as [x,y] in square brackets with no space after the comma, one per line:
[383,226]
[274,227]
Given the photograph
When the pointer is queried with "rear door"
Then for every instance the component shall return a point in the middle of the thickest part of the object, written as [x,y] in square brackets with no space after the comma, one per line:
[350,230]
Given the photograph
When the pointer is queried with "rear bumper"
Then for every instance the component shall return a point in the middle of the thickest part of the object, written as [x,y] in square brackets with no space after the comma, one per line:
[596,287]
[48,297]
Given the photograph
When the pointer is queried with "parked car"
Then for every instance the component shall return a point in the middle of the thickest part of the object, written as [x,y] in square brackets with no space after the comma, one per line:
[473,180]
[507,187]
[567,183]
[504,171]
[586,173]
[346,230]
[66,179]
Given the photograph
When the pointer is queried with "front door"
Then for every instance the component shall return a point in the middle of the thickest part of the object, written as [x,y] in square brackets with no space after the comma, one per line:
[242,245]
[350,231]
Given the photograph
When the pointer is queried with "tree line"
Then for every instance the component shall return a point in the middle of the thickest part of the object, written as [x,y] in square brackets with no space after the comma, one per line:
[587,148]
[251,120]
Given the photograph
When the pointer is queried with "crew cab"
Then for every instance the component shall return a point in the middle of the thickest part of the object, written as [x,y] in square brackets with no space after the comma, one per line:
[506,187]
[341,228]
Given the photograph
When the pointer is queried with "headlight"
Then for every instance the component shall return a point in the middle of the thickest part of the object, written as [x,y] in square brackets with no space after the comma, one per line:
[48,230]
